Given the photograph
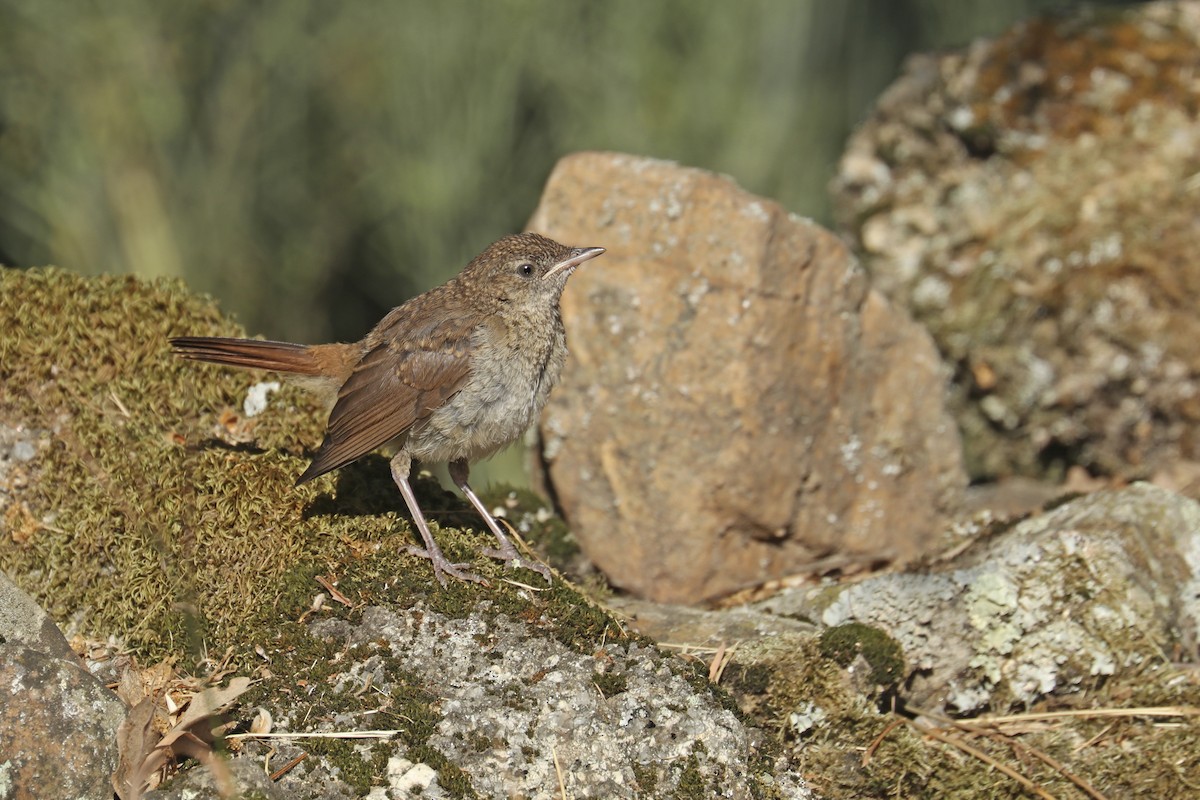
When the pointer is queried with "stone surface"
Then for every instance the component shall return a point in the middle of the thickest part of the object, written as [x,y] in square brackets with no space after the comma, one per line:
[1032,201]
[685,627]
[242,775]
[58,728]
[1054,605]
[131,506]
[491,706]
[738,403]
[23,621]
[618,723]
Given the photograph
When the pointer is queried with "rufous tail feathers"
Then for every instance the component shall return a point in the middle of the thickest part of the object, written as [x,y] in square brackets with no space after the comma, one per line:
[278,356]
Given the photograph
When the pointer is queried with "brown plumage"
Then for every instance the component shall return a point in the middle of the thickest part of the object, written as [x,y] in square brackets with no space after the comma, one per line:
[452,375]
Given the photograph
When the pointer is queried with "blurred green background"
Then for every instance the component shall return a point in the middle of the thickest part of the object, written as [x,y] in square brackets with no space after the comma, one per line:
[314,163]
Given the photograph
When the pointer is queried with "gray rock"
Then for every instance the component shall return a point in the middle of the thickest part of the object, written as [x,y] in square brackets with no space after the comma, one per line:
[58,728]
[520,713]
[245,776]
[1050,606]
[23,621]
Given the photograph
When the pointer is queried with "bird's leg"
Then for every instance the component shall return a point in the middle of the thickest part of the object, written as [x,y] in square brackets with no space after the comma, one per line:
[459,470]
[401,464]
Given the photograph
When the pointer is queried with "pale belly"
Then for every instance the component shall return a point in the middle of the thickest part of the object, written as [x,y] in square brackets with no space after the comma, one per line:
[500,401]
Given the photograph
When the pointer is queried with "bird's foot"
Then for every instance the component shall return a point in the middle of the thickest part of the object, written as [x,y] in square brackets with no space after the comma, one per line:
[513,558]
[442,566]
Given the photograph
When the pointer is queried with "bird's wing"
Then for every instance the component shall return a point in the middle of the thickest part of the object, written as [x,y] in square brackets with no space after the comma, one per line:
[412,366]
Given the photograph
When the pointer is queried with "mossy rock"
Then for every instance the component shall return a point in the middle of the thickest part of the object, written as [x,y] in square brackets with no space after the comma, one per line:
[154,510]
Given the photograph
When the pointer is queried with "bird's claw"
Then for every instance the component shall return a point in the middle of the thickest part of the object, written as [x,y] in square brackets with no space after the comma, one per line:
[442,566]
[513,558]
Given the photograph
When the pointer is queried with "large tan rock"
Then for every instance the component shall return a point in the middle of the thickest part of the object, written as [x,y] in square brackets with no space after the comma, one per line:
[738,403]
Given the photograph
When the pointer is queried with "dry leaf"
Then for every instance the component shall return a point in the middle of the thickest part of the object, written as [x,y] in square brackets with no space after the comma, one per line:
[262,722]
[144,752]
[138,758]
[208,703]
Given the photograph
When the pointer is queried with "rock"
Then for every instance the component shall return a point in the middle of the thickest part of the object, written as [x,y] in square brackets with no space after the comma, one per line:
[24,622]
[519,713]
[57,723]
[137,519]
[738,403]
[490,706]
[1031,200]
[58,728]
[687,627]
[1057,604]
[245,777]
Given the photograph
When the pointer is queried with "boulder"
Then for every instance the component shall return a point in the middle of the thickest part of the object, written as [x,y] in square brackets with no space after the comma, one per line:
[58,723]
[1058,604]
[1031,199]
[738,403]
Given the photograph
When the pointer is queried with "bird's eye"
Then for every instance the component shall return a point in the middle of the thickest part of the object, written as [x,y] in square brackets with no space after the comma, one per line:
[525,270]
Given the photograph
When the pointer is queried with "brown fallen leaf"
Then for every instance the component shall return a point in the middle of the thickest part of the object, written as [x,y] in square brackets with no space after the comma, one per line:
[139,760]
[145,753]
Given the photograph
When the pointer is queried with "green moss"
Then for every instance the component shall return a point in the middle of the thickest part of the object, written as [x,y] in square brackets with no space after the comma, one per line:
[359,771]
[1127,757]
[646,776]
[845,643]
[610,683]
[692,785]
[171,520]
[753,679]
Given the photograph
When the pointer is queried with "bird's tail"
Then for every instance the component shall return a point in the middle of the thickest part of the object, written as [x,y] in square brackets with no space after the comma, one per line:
[297,359]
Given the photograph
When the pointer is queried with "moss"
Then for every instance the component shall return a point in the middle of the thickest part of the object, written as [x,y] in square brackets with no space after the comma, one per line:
[610,683]
[753,679]
[360,772]
[692,785]
[304,676]
[646,776]
[176,523]
[1123,757]
[845,643]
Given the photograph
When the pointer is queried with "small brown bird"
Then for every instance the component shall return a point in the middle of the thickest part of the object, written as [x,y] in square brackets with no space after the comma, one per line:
[453,375]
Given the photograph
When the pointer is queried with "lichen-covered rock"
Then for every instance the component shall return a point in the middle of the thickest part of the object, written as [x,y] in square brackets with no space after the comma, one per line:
[1032,200]
[738,402]
[24,622]
[520,713]
[58,728]
[1056,604]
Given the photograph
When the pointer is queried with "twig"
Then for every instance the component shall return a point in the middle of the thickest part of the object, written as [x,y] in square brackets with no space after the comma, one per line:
[878,740]
[1096,738]
[985,728]
[1084,786]
[288,767]
[1145,711]
[326,735]
[717,665]
[562,786]
[120,406]
[333,592]
[520,585]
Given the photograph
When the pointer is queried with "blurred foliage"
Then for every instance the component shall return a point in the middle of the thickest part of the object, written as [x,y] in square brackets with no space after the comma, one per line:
[313,163]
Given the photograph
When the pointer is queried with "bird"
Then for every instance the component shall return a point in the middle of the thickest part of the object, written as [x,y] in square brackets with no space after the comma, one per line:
[452,375]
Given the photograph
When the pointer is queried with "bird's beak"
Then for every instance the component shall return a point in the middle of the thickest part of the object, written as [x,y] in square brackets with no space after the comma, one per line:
[578,256]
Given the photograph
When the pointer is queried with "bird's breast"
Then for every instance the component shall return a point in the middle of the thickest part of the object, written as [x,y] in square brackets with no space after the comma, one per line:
[509,382]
